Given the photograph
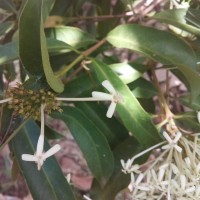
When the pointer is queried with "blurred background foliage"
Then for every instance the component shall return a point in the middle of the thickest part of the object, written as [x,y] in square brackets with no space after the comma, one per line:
[70,47]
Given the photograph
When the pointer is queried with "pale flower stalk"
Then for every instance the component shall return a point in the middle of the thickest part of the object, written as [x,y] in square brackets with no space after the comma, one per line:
[40,156]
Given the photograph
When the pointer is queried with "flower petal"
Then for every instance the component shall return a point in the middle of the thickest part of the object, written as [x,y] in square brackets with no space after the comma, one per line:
[111,109]
[167,137]
[102,96]
[52,151]
[109,87]
[29,157]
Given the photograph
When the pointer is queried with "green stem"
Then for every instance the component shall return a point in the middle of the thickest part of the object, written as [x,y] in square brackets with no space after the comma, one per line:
[13,134]
[79,58]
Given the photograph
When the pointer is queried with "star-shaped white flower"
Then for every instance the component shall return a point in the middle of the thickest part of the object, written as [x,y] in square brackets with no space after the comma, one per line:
[40,156]
[114,97]
[172,143]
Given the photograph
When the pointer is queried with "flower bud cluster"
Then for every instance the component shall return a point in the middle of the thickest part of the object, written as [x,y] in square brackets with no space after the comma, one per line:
[27,102]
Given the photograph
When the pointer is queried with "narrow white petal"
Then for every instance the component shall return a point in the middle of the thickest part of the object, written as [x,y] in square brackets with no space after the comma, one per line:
[143,188]
[111,109]
[161,174]
[183,181]
[109,86]
[40,145]
[167,146]
[177,137]
[190,189]
[52,151]
[197,190]
[167,137]
[179,149]
[29,157]
[174,168]
[139,179]
[102,96]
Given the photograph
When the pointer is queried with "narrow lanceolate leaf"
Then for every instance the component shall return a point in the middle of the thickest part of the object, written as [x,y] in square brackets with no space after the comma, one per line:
[136,120]
[177,18]
[112,129]
[42,184]
[91,142]
[160,46]
[29,37]
[54,82]
[32,43]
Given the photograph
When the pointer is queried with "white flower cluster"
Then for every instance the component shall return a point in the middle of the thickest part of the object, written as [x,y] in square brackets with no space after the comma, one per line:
[173,175]
[40,156]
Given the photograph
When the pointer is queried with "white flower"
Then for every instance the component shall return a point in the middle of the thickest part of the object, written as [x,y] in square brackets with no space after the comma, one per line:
[114,97]
[39,157]
[128,167]
[172,143]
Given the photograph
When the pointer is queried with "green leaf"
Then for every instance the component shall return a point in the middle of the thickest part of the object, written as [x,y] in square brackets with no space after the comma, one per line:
[118,181]
[10,51]
[112,128]
[54,82]
[177,18]
[142,88]
[126,72]
[73,36]
[91,142]
[188,121]
[161,46]
[43,184]
[80,86]
[33,53]
[133,116]
[29,37]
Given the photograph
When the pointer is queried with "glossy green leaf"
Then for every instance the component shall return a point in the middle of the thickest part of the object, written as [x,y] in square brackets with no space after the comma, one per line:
[142,88]
[133,116]
[49,182]
[177,18]
[6,27]
[33,53]
[91,142]
[73,36]
[29,37]
[126,73]
[54,82]
[80,86]
[118,181]
[112,128]
[10,51]
[161,46]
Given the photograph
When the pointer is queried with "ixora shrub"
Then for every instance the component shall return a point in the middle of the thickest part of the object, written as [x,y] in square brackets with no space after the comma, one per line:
[140,140]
